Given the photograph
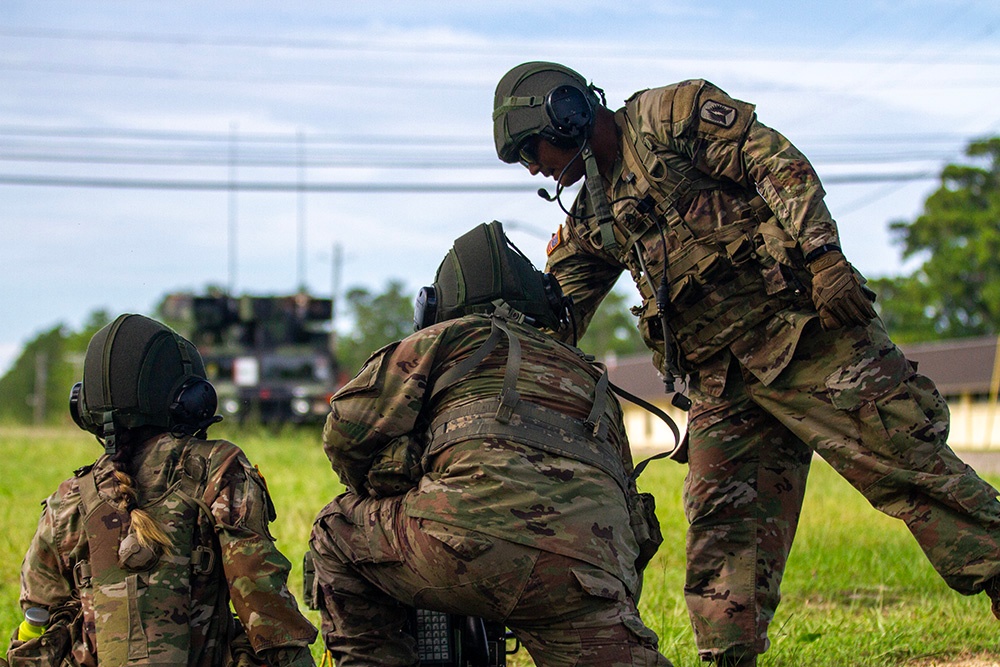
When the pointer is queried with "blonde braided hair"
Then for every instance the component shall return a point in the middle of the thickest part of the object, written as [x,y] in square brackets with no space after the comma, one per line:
[148,531]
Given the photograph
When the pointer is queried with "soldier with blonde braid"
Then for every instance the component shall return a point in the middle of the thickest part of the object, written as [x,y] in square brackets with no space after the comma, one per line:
[138,557]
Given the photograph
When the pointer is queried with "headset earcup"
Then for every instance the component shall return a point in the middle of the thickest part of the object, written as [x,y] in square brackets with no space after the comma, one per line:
[78,409]
[570,111]
[425,308]
[194,402]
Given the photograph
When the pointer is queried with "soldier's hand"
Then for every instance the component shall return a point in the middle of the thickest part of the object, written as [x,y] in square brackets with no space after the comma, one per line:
[837,293]
[289,656]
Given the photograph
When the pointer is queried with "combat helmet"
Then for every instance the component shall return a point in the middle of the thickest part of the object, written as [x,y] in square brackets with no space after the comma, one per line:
[139,372]
[546,99]
[482,268]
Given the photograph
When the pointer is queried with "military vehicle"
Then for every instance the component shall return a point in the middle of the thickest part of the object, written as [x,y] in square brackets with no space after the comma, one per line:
[270,357]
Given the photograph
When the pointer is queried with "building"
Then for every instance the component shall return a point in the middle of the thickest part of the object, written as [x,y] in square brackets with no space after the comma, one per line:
[966,372]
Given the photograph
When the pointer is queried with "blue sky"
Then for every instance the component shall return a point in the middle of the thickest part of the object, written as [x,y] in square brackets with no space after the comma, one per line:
[123,124]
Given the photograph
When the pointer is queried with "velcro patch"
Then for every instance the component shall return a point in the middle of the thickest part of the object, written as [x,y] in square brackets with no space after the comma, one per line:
[554,242]
[717,113]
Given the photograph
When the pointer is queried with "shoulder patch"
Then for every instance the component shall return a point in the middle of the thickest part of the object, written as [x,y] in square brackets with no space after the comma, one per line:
[555,241]
[718,113]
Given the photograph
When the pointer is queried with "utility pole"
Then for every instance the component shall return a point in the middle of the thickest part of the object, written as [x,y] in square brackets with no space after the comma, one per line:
[337,262]
[302,211]
[233,131]
[38,400]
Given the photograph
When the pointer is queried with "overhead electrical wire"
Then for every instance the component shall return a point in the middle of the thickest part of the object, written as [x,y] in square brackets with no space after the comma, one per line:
[356,187]
[243,151]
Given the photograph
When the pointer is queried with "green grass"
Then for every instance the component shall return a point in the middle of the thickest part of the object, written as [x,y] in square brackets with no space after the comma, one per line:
[857,590]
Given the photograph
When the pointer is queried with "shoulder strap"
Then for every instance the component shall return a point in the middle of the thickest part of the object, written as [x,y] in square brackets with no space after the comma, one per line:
[464,367]
[677,453]
[103,523]
[509,395]
[666,179]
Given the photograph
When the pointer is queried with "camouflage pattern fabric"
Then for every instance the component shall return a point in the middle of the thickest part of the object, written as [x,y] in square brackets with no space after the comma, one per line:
[498,486]
[775,390]
[852,397]
[469,531]
[374,563]
[744,157]
[244,565]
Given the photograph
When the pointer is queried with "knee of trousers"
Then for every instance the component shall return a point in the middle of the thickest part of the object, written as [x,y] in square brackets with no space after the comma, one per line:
[358,531]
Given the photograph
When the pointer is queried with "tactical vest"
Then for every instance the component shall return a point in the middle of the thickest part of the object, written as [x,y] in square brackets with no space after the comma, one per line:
[506,416]
[142,617]
[720,284]
[589,440]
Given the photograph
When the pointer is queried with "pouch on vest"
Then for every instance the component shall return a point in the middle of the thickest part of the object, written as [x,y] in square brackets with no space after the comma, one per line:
[51,649]
[645,528]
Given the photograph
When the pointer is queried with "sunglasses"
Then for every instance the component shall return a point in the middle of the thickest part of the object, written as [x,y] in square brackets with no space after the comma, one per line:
[527,152]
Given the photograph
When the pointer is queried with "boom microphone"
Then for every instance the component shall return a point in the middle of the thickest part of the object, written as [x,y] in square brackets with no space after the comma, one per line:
[544,194]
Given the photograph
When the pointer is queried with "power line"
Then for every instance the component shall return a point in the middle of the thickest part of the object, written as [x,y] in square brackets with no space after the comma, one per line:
[206,149]
[355,187]
[397,162]
[46,132]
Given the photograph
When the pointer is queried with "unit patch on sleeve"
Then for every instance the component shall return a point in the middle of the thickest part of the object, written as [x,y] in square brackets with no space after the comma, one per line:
[717,113]
[554,242]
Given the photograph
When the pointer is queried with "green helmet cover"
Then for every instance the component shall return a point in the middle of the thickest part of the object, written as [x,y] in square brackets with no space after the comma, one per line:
[132,371]
[519,103]
[482,267]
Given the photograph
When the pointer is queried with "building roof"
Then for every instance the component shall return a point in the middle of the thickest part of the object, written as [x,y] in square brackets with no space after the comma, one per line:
[957,366]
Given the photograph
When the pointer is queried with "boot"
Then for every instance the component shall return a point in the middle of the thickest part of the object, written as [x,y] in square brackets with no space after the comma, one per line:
[992,589]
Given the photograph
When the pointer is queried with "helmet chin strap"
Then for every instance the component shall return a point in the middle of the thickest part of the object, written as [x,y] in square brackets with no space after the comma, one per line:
[599,200]
[109,437]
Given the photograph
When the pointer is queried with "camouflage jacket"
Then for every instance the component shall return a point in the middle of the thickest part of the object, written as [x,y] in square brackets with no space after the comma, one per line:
[737,287]
[221,552]
[504,480]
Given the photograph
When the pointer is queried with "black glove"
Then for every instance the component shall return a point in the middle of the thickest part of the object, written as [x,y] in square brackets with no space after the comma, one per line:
[838,294]
[289,656]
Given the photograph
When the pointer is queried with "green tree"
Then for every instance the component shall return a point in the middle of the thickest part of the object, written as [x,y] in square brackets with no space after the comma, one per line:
[378,319]
[36,388]
[612,331]
[956,290]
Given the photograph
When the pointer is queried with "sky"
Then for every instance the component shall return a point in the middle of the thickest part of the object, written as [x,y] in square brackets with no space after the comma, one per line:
[153,147]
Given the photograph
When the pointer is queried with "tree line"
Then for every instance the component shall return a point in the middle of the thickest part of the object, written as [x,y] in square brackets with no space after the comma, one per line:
[953,292]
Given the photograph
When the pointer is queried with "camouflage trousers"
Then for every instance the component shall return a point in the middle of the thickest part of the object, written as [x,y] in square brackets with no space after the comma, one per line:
[374,563]
[851,397]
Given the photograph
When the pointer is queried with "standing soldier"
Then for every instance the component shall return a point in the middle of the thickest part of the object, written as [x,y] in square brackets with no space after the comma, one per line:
[137,557]
[488,475]
[722,225]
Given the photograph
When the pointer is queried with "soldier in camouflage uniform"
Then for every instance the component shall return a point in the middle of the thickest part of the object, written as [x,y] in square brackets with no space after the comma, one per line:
[138,556]
[721,222]
[488,475]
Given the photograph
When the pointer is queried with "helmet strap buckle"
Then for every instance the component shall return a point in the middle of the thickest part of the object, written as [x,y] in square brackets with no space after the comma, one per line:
[108,435]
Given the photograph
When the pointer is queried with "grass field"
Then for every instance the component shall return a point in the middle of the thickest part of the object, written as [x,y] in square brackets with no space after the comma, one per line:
[857,590]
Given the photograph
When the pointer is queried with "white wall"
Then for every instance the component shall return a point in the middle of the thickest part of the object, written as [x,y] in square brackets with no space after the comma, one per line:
[975,426]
